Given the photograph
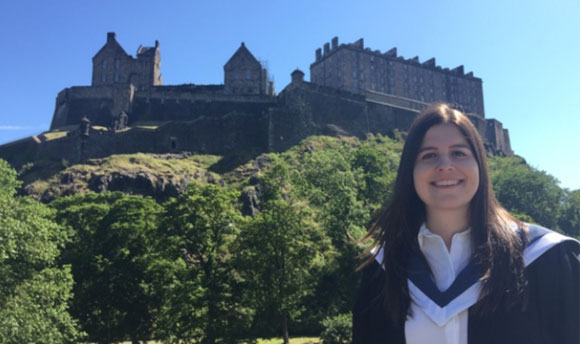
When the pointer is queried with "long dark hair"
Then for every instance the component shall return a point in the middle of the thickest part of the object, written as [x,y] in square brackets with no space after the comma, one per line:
[497,247]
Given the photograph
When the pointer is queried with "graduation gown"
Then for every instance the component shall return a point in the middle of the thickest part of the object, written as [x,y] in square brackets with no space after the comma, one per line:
[552,314]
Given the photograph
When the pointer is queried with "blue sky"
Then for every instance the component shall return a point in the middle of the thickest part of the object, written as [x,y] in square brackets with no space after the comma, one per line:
[526,52]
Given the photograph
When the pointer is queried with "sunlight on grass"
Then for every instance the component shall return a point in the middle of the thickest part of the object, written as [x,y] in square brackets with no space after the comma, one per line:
[298,340]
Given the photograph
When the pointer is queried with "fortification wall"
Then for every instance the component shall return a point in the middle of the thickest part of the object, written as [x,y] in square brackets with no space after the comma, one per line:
[306,109]
[98,103]
[188,103]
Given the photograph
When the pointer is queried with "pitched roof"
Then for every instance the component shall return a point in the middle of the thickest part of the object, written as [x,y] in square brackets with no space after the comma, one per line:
[142,51]
[113,45]
[241,52]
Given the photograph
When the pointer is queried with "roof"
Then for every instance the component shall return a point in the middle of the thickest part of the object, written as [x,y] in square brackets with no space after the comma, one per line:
[241,52]
[142,51]
[113,45]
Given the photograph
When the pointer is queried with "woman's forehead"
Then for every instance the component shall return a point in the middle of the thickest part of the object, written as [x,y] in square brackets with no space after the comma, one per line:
[444,135]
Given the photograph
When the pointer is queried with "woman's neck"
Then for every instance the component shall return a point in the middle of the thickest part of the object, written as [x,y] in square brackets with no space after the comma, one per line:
[447,223]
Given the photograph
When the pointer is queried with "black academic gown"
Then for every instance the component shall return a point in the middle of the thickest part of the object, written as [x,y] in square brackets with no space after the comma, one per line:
[552,314]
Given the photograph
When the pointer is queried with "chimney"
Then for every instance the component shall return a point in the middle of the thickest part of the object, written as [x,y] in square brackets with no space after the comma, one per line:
[458,70]
[110,37]
[429,63]
[156,44]
[392,52]
[318,54]
[326,48]
[334,43]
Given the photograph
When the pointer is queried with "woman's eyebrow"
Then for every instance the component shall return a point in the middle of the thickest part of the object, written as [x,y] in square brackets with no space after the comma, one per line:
[422,149]
[457,145]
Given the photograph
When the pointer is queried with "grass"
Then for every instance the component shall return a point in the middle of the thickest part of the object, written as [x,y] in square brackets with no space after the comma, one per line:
[297,340]
[151,125]
[53,135]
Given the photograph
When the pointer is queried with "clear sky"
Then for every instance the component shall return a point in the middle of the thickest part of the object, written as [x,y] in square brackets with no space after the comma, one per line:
[526,52]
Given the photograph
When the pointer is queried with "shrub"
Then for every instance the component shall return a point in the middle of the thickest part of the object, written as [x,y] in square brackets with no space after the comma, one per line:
[337,329]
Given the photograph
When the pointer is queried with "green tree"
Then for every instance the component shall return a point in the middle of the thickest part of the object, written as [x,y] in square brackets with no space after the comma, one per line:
[570,216]
[281,253]
[111,255]
[527,191]
[34,289]
[202,302]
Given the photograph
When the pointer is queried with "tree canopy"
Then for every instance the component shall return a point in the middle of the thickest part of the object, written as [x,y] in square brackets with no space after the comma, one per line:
[34,288]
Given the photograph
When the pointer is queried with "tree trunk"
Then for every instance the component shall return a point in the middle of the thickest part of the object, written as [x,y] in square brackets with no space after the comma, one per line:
[285,336]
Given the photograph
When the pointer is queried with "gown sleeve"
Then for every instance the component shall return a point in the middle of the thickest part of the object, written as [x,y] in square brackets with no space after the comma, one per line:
[370,322]
[563,277]
[362,309]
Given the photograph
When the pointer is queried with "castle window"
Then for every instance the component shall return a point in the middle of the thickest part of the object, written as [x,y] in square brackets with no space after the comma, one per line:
[104,77]
[248,75]
[116,77]
[117,63]
[236,75]
[104,64]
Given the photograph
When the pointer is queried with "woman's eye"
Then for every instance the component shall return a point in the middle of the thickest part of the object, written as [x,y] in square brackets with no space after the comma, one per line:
[459,154]
[427,156]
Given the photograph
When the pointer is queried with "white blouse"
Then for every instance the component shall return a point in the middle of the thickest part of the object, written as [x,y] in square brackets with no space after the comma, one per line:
[445,266]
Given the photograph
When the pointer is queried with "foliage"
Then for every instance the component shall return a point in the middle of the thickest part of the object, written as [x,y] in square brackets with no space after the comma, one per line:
[570,216]
[34,289]
[337,329]
[524,190]
[202,304]
[110,255]
[281,254]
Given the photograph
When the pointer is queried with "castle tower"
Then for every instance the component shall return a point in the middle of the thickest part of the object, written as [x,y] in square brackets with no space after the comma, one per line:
[244,74]
[113,66]
[147,67]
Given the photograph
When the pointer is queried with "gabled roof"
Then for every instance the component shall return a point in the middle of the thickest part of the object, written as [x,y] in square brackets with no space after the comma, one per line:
[113,45]
[242,52]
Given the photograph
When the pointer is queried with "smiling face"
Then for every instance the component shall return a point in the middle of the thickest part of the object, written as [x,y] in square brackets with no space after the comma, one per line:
[446,174]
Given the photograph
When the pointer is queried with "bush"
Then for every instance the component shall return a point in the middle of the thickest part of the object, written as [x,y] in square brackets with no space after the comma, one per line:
[337,329]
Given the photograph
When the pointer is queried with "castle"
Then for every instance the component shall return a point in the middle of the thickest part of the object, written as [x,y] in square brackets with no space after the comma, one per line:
[353,91]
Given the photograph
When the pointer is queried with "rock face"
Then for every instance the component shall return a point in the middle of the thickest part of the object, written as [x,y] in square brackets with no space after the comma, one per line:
[160,176]
[160,187]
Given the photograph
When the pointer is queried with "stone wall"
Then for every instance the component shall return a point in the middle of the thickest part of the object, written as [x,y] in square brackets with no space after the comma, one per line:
[98,103]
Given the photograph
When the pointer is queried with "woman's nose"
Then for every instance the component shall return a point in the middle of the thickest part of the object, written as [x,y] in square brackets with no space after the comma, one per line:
[444,163]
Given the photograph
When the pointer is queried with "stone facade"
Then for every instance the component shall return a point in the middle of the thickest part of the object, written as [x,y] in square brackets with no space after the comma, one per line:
[244,74]
[357,69]
[113,66]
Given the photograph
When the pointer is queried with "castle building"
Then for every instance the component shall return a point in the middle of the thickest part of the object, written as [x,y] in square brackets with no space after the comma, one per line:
[354,68]
[244,74]
[112,65]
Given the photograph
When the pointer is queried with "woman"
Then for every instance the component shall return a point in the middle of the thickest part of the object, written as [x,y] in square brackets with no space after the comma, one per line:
[450,265]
